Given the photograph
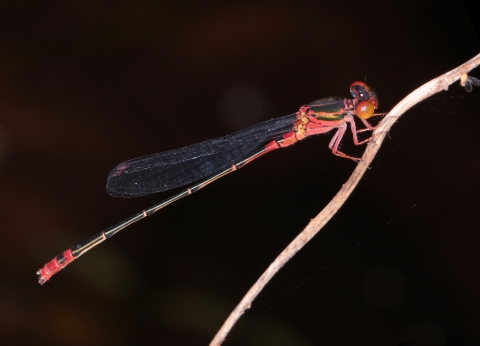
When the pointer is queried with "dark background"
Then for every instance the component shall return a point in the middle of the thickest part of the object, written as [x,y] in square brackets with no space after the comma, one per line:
[85,85]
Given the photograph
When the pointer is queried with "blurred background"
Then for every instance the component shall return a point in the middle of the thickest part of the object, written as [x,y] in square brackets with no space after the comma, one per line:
[85,85]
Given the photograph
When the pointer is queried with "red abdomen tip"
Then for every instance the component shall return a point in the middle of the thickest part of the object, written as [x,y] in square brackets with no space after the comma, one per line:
[54,266]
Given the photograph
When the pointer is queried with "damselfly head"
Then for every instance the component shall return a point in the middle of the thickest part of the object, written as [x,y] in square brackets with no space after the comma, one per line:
[362,92]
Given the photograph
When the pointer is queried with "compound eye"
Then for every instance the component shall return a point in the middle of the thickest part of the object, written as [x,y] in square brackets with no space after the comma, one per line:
[364,110]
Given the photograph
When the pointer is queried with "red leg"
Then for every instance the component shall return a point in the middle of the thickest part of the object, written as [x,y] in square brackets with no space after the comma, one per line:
[334,138]
[350,120]
[369,127]
[337,138]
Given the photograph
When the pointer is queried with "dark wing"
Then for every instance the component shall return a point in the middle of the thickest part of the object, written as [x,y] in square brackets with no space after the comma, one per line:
[164,171]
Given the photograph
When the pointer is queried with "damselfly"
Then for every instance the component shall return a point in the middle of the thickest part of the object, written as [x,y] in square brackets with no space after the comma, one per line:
[202,163]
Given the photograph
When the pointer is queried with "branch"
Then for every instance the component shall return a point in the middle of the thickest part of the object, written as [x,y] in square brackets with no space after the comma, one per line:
[434,86]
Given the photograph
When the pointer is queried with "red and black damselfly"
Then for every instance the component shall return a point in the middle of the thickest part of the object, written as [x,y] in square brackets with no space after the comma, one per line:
[202,163]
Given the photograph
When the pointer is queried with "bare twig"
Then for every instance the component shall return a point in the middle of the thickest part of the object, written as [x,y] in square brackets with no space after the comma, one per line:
[434,86]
